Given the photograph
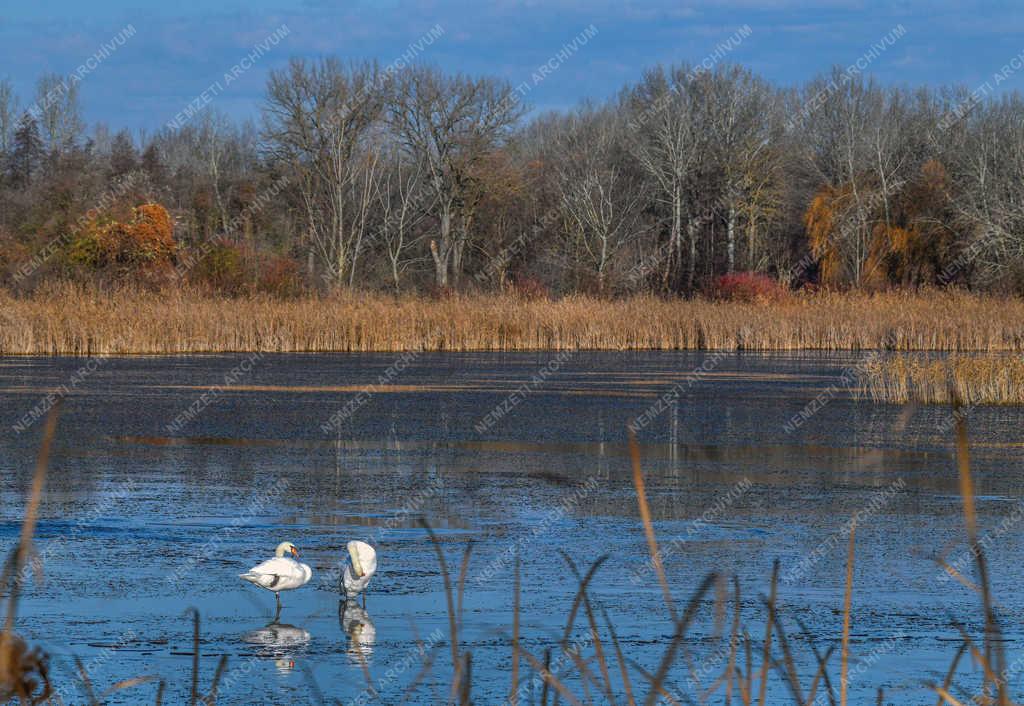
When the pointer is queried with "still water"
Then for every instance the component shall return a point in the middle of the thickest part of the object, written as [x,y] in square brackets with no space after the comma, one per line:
[170,476]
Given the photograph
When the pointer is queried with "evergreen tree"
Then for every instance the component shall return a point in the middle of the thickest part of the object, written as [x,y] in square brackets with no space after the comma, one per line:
[26,153]
[123,157]
[153,165]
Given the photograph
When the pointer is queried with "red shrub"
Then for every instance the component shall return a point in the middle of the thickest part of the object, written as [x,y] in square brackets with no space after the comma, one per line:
[747,287]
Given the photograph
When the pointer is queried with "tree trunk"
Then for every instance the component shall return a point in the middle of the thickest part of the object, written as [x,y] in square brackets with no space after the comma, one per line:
[730,235]
[751,244]
[675,244]
[691,266]
[394,274]
[442,252]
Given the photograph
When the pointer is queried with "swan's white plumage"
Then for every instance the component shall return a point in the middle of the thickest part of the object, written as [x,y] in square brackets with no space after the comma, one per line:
[362,568]
[280,573]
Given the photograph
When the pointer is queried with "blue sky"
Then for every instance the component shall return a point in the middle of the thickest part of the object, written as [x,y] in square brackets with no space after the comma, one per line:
[180,47]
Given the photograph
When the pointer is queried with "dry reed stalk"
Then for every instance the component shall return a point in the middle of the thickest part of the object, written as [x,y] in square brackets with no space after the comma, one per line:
[512,696]
[949,698]
[847,605]
[733,640]
[948,681]
[658,689]
[19,664]
[549,679]
[681,626]
[194,692]
[993,636]
[645,517]
[86,682]
[767,646]
[65,319]
[454,616]
[425,669]
[790,664]
[972,380]
[821,659]
[580,599]
[547,669]
[623,670]
[592,622]
[819,676]
[991,658]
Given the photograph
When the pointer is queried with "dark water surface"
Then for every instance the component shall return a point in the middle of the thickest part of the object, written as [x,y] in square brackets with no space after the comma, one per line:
[158,497]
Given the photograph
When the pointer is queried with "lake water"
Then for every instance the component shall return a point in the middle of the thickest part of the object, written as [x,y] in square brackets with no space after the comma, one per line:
[164,486]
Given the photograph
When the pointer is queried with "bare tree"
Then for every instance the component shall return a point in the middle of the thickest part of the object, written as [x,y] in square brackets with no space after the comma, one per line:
[449,123]
[737,112]
[319,119]
[991,192]
[666,146]
[403,202]
[59,113]
[8,116]
[600,199]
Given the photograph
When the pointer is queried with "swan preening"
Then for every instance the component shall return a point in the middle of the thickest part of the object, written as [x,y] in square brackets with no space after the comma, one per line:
[363,565]
[283,573]
[280,573]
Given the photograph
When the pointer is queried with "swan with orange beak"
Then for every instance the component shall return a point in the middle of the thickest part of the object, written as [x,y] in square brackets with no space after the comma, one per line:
[280,573]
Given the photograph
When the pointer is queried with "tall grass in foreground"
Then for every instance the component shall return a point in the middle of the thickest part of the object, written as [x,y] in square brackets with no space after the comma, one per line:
[972,379]
[75,321]
[745,677]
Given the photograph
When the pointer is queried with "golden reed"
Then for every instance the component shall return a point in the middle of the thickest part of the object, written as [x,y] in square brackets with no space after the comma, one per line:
[71,320]
[971,380]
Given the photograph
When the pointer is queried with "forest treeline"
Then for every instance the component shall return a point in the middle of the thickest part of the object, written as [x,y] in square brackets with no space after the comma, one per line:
[357,176]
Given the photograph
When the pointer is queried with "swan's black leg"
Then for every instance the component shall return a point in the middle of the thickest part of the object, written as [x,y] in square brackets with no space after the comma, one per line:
[277,614]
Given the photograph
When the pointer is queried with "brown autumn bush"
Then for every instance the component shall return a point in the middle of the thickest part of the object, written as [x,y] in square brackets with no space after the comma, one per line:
[13,253]
[279,276]
[234,269]
[222,268]
[140,249]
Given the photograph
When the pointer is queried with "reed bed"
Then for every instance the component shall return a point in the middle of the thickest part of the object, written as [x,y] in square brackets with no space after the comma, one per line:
[753,673]
[972,380]
[69,320]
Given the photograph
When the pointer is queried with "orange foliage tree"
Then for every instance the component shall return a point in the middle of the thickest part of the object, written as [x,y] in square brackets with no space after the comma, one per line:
[873,241]
[820,222]
[142,245]
[921,239]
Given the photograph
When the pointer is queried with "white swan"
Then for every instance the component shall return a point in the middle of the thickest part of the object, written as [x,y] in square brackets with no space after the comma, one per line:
[361,570]
[280,573]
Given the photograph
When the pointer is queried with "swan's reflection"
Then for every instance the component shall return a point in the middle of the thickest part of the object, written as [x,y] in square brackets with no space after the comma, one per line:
[279,642]
[362,635]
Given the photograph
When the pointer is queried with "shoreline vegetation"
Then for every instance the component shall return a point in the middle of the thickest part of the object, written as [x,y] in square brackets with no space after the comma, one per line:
[967,380]
[83,321]
[687,177]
